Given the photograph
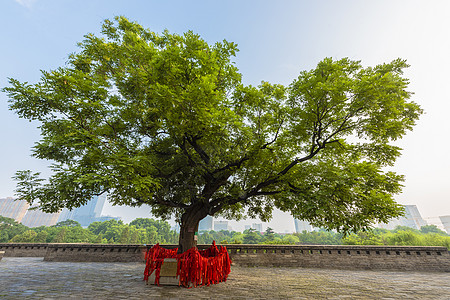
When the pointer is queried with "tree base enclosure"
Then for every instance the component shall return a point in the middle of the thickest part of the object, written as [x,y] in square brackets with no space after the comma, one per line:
[191,268]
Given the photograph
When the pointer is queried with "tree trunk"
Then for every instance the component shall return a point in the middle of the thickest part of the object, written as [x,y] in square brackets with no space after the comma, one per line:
[189,228]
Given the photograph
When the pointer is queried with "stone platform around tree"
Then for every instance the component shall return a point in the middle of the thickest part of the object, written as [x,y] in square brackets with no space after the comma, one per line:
[168,274]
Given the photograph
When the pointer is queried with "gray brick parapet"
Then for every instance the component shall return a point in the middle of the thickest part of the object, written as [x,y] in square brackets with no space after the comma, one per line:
[23,249]
[95,253]
[433,259]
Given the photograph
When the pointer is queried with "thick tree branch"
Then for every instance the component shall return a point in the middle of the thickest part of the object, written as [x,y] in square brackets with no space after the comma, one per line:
[268,193]
[275,138]
[186,152]
[193,142]
[236,163]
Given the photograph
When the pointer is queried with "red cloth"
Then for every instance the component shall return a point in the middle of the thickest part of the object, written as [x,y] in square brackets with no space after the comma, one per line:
[195,267]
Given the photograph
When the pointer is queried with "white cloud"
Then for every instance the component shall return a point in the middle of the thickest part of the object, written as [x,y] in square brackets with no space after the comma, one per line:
[26,3]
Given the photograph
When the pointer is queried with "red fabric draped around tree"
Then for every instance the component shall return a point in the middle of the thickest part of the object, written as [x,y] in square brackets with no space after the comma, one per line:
[196,267]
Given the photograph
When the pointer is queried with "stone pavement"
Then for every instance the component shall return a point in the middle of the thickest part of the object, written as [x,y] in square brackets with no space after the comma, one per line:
[32,278]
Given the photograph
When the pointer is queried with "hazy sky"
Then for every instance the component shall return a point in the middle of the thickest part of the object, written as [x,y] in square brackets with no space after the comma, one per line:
[277,39]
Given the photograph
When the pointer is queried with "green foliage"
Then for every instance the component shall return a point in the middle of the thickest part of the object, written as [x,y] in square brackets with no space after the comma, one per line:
[28,235]
[149,231]
[269,235]
[435,239]
[157,231]
[251,236]
[363,238]
[41,237]
[223,237]
[110,231]
[290,239]
[68,223]
[124,235]
[320,238]
[404,238]
[60,235]
[405,228]
[401,236]
[9,228]
[432,229]
[164,120]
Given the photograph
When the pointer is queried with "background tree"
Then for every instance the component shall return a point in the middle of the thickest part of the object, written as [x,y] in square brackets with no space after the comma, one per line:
[111,230]
[321,237]
[251,236]
[290,239]
[68,223]
[363,238]
[152,236]
[164,120]
[124,235]
[162,228]
[206,237]
[269,235]
[432,229]
[148,234]
[9,228]
[60,236]
[27,236]
[100,240]
[41,237]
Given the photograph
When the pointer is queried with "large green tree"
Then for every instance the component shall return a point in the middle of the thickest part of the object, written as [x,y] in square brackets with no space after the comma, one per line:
[164,120]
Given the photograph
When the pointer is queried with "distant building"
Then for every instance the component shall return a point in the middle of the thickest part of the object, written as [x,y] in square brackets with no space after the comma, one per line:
[88,213]
[14,209]
[445,220]
[412,219]
[220,225]
[106,218]
[206,224]
[36,218]
[85,215]
[247,227]
[18,210]
[258,227]
[301,226]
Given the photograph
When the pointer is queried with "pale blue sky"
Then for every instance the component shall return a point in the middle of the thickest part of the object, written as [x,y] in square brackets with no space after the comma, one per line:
[277,39]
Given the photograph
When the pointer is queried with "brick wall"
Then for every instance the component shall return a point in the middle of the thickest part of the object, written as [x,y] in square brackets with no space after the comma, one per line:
[24,250]
[95,253]
[434,259]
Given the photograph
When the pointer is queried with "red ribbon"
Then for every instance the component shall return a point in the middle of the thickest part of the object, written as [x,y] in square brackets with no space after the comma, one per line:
[194,268]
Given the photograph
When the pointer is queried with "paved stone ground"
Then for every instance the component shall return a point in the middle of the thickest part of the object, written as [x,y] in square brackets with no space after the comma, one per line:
[32,278]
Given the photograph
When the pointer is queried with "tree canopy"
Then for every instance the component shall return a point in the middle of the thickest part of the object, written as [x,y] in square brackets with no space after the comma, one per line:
[164,120]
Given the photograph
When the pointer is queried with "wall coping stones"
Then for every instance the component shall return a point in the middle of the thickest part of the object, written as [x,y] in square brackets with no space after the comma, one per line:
[8,245]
